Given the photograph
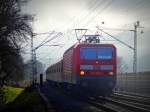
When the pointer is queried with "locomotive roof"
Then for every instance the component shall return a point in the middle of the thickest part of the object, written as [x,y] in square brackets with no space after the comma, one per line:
[88,44]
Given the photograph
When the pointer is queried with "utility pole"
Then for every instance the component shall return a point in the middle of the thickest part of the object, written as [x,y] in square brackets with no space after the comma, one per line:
[32,61]
[35,67]
[136,25]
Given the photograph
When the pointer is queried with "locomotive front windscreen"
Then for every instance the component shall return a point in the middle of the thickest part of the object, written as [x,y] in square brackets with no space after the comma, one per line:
[96,53]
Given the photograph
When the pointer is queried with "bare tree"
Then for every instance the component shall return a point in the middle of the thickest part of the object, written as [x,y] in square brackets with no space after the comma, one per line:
[13,25]
[15,29]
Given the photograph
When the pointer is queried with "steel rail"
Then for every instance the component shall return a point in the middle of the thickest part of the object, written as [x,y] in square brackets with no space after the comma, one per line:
[142,101]
[143,98]
[128,106]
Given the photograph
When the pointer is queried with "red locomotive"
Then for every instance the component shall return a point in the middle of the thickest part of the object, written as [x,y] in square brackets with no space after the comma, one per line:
[88,67]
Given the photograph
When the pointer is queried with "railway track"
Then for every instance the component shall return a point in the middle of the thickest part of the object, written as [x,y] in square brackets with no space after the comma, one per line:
[119,105]
[115,103]
[132,96]
[139,101]
[102,104]
[136,107]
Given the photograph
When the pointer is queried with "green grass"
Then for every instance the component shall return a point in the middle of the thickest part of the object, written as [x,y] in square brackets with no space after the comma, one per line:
[11,93]
[23,100]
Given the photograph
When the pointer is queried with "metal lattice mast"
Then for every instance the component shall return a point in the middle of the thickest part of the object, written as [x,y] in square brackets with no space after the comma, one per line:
[32,61]
[33,55]
[135,47]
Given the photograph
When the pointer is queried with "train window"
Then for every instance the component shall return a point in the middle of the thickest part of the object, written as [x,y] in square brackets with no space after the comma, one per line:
[88,53]
[100,53]
[104,53]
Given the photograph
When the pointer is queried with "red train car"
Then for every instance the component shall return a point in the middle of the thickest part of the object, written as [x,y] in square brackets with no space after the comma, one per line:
[89,67]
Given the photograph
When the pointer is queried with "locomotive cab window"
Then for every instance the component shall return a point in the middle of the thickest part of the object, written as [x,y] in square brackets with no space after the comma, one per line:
[88,53]
[104,53]
[101,53]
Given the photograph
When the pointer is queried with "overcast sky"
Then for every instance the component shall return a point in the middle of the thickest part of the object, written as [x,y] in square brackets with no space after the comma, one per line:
[66,15]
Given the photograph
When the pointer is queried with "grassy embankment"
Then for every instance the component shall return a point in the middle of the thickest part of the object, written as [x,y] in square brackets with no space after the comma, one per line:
[23,100]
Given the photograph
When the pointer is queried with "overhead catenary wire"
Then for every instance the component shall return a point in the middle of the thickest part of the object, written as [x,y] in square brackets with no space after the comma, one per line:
[50,34]
[58,34]
[80,15]
[93,5]
[86,17]
[116,38]
[99,12]
[136,7]
[94,8]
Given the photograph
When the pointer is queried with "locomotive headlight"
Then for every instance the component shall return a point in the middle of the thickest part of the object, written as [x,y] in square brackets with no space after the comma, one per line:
[82,72]
[111,73]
